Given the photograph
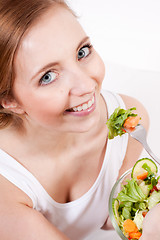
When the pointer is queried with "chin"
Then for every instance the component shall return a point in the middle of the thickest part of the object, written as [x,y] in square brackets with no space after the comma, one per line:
[87,125]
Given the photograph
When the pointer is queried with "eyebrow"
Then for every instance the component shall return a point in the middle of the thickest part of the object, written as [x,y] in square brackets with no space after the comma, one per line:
[52,64]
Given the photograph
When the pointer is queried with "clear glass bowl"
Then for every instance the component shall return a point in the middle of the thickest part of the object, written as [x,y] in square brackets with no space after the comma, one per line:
[115,190]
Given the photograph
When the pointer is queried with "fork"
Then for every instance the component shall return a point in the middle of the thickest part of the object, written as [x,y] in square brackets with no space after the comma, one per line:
[139,133]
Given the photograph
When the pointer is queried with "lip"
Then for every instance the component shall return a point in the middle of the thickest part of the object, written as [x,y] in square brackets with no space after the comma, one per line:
[84,112]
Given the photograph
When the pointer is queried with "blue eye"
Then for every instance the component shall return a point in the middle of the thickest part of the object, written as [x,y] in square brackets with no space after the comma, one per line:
[84,52]
[48,78]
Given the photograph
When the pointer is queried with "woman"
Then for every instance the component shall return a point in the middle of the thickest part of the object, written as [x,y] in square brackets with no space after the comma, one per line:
[57,166]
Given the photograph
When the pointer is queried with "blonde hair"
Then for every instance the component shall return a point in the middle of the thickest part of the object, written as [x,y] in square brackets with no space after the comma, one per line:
[16,16]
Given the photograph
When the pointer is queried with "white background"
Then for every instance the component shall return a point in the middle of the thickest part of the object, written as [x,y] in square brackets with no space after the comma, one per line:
[123,31]
[126,33]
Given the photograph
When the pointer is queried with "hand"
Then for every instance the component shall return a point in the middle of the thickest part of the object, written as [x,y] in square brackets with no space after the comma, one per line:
[151,227]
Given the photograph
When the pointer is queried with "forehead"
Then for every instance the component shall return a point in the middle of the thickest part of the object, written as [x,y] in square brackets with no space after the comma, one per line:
[55,34]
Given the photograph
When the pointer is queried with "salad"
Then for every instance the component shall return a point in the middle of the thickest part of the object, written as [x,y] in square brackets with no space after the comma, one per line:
[138,195]
[121,119]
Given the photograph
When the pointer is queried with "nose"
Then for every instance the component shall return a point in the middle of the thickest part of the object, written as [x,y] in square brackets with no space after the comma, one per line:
[81,81]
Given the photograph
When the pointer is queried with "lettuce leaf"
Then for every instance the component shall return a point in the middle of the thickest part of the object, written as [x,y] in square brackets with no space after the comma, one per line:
[116,121]
[153,199]
[131,192]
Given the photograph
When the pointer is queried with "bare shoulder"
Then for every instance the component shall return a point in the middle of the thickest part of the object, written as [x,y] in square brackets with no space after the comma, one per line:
[19,220]
[134,148]
[12,194]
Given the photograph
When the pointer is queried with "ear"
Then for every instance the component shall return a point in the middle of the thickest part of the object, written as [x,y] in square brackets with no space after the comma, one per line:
[11,104]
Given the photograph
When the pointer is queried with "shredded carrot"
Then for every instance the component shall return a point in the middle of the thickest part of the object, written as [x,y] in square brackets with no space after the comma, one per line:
[124,130]
[144,214]
[135,235]
[142,176]
[129,226]
[131,122]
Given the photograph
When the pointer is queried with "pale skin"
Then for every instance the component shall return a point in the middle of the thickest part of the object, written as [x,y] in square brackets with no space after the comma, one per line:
[53,137]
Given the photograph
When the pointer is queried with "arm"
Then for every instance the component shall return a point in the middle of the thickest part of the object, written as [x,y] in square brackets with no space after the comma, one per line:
[151,222]
[22,222]
[18,220]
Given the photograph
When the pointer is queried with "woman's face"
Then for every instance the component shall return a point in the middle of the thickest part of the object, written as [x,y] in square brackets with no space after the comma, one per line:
[58,75]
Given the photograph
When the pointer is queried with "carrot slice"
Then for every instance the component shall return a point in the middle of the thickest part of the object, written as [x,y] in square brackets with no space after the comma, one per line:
[135,235]
[131,122]
[142,176]
[129,226]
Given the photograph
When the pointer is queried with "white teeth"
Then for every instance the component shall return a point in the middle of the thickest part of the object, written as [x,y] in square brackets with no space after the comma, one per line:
[84,106]
[89,103]
[79,108]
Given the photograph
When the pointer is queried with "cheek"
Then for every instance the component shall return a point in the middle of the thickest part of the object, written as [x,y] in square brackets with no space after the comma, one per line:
[41,103]
[46,105]
[45,111]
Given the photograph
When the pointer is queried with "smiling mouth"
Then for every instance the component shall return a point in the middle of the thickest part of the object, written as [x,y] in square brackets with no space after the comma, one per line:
[83,106]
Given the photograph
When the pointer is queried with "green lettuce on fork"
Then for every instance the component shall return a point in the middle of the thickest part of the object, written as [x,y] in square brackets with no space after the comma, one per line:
[116,121]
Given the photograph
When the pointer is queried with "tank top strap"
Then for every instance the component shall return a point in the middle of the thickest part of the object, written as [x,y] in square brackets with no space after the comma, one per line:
[17,174]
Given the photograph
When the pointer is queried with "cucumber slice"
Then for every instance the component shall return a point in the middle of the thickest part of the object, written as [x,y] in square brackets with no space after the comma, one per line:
[115,206]
[138,169]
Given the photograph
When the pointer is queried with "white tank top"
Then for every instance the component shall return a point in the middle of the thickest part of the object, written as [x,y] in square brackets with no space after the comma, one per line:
[79,218]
